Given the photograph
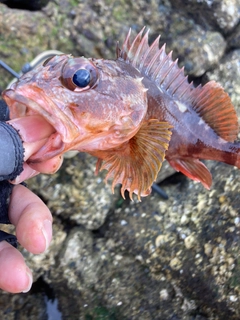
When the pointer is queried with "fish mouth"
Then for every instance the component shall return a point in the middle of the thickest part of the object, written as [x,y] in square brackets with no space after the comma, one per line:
[64,130]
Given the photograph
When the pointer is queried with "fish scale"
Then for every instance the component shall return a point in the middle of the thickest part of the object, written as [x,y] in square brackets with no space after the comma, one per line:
[131,113]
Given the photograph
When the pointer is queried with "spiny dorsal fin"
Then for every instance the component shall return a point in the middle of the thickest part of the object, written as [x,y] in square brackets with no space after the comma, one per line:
[210,101]
[156,64]
[138,162]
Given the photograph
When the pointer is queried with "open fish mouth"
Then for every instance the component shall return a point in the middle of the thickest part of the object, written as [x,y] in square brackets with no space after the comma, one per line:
[64,130]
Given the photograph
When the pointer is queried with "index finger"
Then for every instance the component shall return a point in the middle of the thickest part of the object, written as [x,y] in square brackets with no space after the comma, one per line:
[32,219]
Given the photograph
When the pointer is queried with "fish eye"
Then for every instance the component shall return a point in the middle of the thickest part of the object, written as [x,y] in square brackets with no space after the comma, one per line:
[81,78]
[79,74]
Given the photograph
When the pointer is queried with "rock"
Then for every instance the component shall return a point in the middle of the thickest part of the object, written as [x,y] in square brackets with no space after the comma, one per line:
[165,172]
[115,259]
[228,75]
[234,38]
[218,14]
[190,241]
[75,194]
[79,262]
[199,50]
[33,304]
[24,35]
[197,257]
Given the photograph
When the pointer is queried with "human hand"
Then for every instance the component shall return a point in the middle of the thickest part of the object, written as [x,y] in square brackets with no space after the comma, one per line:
[27,212]
[34,132]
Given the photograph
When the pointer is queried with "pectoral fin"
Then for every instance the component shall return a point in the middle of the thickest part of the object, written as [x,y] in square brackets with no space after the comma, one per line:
[136,163]
[194,169]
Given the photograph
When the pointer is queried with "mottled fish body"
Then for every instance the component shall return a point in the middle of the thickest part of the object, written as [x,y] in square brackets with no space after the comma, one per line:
[131,113]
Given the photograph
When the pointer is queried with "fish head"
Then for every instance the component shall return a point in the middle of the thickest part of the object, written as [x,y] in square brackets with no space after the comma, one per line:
[93,104]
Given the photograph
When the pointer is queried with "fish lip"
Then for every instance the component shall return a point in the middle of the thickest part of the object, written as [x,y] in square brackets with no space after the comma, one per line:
[60,122]
[65,130]
[18,101]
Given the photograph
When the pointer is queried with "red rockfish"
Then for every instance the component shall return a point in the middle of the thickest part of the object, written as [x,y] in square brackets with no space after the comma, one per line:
[131,113]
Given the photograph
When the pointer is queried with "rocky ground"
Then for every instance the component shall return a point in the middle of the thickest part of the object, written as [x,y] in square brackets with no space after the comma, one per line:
[114,259]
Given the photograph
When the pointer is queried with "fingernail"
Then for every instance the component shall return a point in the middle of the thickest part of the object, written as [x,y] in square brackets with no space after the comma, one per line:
[30,279]
[47,232]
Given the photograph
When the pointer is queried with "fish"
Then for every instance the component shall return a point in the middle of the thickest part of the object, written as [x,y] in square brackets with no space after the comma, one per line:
[131,113]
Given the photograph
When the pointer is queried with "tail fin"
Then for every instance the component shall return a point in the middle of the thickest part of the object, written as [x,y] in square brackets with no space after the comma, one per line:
[214,106]
[233,157]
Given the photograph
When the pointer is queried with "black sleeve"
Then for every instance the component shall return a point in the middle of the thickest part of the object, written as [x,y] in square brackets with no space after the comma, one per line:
[11,147]
[5,192]
[11,165]
[4,111]
[11,152]
[10,238]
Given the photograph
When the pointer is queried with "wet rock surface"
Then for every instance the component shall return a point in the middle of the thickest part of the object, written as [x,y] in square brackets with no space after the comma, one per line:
[218,14]
[75,194]
[116,259]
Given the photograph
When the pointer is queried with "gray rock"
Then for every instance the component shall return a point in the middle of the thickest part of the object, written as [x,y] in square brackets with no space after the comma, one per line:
[217,14]
[165,172]
[33,306]
[115,259]
[79,262]
[228,75]
[75,194]
[234,38]
[189,239]
[199,50]
[25,34]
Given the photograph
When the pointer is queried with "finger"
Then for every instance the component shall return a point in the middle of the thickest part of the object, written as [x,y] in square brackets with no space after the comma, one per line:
[32,219]
[15,276]
[27,173]
[49,166]
[34,131]
[32,128]
[31,147]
